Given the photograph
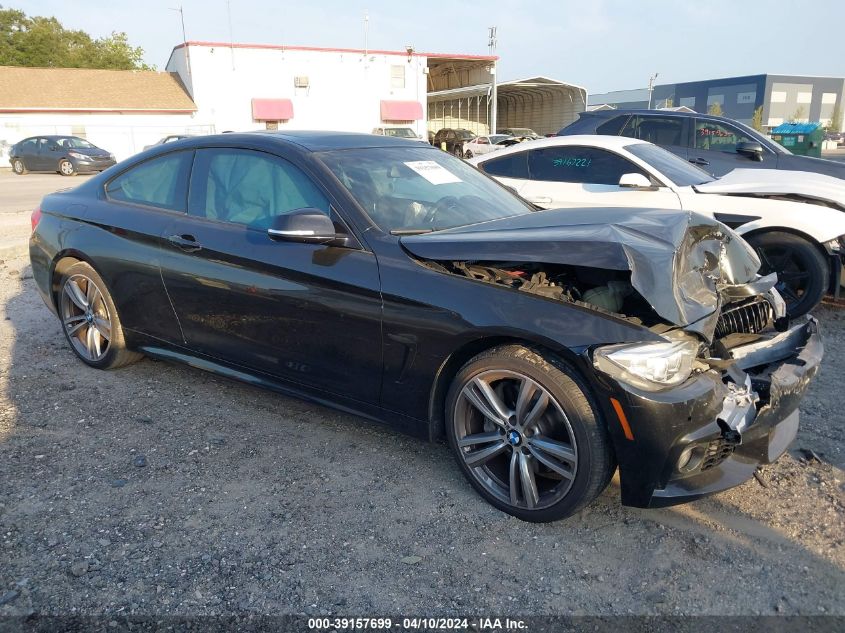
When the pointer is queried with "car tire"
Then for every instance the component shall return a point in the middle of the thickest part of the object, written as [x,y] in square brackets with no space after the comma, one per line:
[90,321]
[803,272]
[550,456]
[458,151]
[468,154]
[66,168]
[18,167]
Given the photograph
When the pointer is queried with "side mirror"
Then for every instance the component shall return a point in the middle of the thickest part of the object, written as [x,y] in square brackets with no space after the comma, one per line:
[751,149]
[310,226]
[635,181]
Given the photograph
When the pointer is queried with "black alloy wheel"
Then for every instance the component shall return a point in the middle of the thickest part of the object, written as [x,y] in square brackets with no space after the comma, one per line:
[803,273]
[526,434]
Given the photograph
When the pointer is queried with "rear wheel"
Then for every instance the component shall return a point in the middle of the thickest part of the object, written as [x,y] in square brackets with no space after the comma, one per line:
[468,154]
[18,167]
[802,270]
[458,151]
[526,434]
[66,168]
[90,321]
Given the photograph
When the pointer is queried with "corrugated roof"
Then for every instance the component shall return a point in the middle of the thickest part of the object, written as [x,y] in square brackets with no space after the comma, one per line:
[795,128]
[86,89]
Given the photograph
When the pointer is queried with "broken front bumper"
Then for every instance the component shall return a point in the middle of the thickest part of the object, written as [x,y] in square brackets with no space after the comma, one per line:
[712,432]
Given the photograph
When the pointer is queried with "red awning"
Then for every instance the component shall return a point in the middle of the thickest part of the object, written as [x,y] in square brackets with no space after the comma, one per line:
[272,109]
[401,111]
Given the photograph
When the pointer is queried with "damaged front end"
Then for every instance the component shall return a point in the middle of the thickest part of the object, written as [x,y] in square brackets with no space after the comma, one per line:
[700,409]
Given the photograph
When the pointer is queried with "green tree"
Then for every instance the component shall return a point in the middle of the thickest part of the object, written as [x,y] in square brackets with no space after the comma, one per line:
[798,114]
[835,119]
[44,42]
[715,109]
[757,119]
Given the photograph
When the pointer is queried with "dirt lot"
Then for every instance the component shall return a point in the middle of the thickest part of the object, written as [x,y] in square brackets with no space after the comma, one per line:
[160,489]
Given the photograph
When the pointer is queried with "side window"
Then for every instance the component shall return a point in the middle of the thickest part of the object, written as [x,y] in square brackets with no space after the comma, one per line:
[717,136]
[249,188]
[660,130]
[29,146]
[482,140]
[161,182]
[586,165]
[510,166]
[613,127]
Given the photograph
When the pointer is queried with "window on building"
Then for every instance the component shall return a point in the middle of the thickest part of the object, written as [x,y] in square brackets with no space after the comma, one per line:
[397,76]
[718,137]
[161,182]
[249,188]
[586,165]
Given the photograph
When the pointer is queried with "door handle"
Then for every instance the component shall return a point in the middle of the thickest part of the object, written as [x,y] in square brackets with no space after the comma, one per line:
[187,243]
[699,161]
[540,200]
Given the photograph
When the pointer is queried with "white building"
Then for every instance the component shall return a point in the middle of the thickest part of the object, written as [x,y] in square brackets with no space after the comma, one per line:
[118,110]
[247,86]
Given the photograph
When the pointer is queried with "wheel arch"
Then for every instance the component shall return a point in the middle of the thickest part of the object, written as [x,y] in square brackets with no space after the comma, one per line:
[61,262]
[459,357]
[784,229]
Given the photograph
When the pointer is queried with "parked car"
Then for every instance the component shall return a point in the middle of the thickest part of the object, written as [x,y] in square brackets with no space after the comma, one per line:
[716,144]
[454,139]
[483,145]
[170,138]
[67,155]
[803,243]
[391,280]
[398,132]
[520,132]
[430,137]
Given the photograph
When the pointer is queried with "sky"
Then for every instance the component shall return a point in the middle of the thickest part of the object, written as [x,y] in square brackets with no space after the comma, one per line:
[601,45]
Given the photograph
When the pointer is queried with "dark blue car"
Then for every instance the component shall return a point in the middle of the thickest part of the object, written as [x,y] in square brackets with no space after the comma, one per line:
[67,155]
[716,144]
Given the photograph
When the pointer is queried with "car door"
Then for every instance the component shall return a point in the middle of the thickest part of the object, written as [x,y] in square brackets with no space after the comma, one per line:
[137,205]
[306,313]
[28,153]
[667,131]
[714,148]
[42,157]
[579,176]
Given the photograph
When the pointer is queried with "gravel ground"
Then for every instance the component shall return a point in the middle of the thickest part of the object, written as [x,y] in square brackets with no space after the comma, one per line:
[160,489]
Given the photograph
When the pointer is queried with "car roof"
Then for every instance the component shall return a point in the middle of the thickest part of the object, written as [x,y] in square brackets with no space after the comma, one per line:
[51,137]
[590,140]
[311,140]
[606,114]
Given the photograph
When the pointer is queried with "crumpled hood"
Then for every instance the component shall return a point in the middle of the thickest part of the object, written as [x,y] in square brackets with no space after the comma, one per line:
[679,261]
[778,182]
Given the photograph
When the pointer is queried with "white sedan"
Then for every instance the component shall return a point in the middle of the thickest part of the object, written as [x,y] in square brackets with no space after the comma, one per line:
[481,145]
[794,220]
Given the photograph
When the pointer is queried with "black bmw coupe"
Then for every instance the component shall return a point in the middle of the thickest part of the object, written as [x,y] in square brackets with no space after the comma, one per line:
[394,281]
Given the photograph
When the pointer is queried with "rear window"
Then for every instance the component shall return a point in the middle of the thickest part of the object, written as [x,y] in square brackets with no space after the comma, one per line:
[511,166]
[612,127]
[161,182]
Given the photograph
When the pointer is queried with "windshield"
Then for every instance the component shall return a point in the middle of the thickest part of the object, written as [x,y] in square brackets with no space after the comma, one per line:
[464,134]
[74,141]
[401,132]
[522,131]
[679,171]
[420,189]
[495,138]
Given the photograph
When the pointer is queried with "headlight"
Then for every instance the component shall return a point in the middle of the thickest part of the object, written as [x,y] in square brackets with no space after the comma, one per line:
[649,366]
[78,155]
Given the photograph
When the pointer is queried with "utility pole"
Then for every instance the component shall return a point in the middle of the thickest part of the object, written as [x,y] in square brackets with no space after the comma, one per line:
[491,43]
[185,44]
[651,87]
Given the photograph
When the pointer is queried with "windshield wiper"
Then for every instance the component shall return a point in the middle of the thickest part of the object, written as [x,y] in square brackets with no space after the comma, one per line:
[410,231]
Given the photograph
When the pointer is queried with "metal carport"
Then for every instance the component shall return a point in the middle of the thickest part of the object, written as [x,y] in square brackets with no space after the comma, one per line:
[545,105]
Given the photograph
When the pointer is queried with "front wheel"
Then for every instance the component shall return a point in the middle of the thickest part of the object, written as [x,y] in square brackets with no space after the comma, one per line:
[18,167]
[527,435]
[90,321]
[468,154]
[802,270]
[66,168]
